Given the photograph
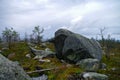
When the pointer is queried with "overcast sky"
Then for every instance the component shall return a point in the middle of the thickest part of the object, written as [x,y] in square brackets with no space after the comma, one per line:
[85,17]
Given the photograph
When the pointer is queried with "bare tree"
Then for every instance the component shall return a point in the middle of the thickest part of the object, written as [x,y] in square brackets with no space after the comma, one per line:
[108,47]
[26,37]
[105,43]
[37,32]
[31,38]
[102,36]
[0,39]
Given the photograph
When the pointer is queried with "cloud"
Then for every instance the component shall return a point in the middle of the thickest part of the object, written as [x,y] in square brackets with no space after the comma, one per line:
[75,20]
[81,16]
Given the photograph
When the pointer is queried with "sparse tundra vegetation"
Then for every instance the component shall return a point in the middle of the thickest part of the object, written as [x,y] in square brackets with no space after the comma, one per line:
[58,57]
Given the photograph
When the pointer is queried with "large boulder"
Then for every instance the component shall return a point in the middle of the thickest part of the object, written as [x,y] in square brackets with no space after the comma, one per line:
[11,70]
[73,47]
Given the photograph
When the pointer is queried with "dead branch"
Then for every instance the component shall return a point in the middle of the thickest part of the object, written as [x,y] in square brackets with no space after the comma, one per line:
[41,70]
[47,69]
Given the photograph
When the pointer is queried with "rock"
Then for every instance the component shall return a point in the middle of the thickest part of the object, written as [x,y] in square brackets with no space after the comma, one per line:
[5,48]
[38,57]
[89,64]
[43,45]
[73,47]
[43,77]
[11,70]
[113,69]
[47,49]
[10,56]
[103,66]
[28,56]
[39,54]
[93,76]
[30,44]
[44,60]
[87,76]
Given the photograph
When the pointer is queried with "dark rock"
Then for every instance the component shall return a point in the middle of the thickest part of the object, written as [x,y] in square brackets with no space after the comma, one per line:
[103,66]
[11,70]
[73,47]
[74,77]
[39,68]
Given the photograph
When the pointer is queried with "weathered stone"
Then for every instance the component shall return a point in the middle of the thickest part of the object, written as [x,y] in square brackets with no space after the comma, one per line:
[11,70]
[28,56]
[103,66]
[44,60]
[43,45]
[88,76]
[89,64]
[5,48]
[39,54]
[11,55]
[73,47]
[43,77]
[47,49]
[93,76]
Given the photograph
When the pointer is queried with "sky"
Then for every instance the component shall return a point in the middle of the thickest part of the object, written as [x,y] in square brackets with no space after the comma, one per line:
[85,17]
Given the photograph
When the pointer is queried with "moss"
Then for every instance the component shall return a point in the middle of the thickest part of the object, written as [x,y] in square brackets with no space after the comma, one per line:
[63,71]
[113,62]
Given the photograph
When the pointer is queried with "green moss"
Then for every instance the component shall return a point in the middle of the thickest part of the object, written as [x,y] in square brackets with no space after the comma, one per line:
[63,71]
[113,62]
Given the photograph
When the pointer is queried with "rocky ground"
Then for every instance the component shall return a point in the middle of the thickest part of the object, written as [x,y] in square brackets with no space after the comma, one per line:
[64,67]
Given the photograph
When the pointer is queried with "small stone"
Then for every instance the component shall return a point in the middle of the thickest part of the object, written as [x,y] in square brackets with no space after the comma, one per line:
[5,48]
[28,55]
[12,55]
[89,64]
[44,60]
[47,49]
[43,45]
[113,69]
[103,66]
[43,77]
[94,76]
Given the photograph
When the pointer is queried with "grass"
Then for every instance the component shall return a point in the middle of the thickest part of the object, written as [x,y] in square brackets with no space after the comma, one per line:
[62,70]
[112,63]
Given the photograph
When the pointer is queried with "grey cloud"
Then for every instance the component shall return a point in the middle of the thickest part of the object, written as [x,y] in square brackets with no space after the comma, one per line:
[25,14]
